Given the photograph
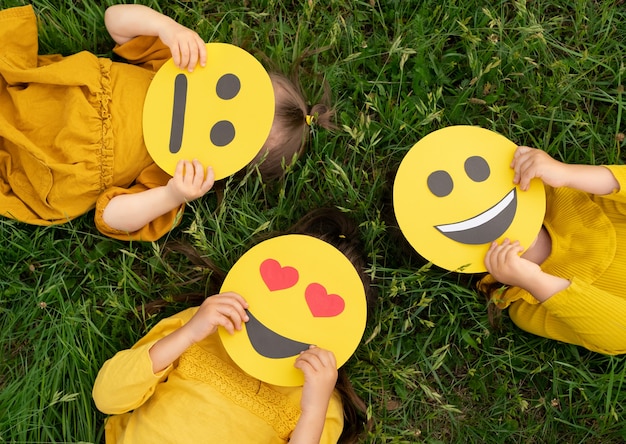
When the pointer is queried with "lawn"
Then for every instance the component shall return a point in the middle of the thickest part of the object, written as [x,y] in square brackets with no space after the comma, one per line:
[549,74]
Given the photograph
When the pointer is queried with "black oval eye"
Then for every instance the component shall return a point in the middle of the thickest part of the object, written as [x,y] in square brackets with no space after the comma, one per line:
[440,183]
[222,133]
[227,86]
[477,168]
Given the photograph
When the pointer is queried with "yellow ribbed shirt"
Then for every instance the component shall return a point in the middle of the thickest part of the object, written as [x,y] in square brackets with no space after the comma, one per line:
[589,249]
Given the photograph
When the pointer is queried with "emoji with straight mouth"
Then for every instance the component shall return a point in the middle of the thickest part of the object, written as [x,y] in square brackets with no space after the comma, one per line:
[220,114]
[301,291]
[454,194]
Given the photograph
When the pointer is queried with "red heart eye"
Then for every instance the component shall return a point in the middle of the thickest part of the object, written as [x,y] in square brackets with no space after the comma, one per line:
[277,277]
[321,303]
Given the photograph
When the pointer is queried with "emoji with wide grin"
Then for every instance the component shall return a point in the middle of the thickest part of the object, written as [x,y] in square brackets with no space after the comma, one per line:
[454,194]
[486,226]
[300,291]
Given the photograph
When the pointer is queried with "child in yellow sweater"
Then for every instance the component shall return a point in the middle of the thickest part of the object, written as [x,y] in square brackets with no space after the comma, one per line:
[71,133]
[179,384]
[570,284]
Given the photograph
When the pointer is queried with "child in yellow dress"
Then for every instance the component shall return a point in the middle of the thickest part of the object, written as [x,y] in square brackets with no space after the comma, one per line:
[71,133]
[178,383]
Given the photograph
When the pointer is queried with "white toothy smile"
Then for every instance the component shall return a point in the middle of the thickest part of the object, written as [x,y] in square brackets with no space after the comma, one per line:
[486,226]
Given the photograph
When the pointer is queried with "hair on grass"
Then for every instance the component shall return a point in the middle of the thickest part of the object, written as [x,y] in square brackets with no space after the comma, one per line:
[290,131]
[492,290]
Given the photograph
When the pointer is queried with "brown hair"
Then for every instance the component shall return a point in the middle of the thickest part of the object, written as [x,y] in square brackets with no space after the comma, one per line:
[290,130]
[493,291]
[329,225]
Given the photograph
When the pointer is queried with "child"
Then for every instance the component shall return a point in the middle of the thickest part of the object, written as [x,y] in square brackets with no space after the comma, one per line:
[71,134]
[169,390]
[569,285]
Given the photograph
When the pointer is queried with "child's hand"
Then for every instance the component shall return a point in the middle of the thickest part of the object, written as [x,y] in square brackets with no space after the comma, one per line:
[530,163]
[320,376]
[225,309]
[186,46]
[507,267]
[190,181]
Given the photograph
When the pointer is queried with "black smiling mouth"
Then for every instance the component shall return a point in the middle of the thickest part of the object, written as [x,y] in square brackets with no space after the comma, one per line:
[485,227]
[270,344]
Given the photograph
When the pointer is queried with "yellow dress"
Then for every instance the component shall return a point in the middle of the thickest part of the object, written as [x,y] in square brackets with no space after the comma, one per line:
[70,129]
[202,398]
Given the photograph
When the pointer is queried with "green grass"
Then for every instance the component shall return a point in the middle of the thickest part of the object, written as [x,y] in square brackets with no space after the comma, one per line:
[548,74]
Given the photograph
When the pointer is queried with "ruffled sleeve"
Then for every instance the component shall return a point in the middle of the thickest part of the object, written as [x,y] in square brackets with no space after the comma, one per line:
[145,51]
[151,177]
[126,380]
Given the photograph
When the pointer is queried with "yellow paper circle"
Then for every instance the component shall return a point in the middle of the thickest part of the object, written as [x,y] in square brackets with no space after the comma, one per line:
[454,194]
[220,114]
[300,291]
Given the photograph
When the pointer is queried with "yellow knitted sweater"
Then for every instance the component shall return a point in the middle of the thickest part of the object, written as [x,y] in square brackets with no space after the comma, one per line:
[588,248]
[202,398]
[71,129]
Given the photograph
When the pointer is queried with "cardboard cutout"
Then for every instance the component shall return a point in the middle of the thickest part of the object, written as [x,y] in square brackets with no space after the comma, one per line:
[220,114]
[454,194]
[300,291]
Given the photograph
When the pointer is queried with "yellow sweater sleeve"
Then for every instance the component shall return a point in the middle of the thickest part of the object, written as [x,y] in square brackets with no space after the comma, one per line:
[619,172]
[126,380]
[581,314]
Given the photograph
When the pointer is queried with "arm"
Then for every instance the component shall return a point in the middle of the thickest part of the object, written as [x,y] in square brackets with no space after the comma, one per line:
[529,163]
[320,376]
[124,22]
[129,379]
[506,266]
[126,380]
[130,212]
[582,315]
[226,309]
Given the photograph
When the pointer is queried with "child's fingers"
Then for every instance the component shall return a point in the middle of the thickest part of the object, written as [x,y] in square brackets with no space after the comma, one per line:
[201,52]
[209,180]
[498,256]
[183,48]
[189,171]
[227,323]
[175,56]
[235,296]
[198,174]
[522,164]
[180,168]
[317,358]
[235,311]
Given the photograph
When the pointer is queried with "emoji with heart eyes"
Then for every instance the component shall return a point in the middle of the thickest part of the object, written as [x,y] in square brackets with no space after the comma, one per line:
[454,194]
[300,291]
[220,114]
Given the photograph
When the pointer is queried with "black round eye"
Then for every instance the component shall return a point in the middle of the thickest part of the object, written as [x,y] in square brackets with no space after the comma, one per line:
[477,168]
[440,183]
[227,86]
[222,133]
